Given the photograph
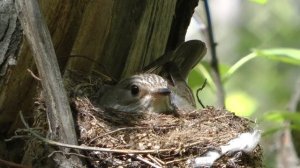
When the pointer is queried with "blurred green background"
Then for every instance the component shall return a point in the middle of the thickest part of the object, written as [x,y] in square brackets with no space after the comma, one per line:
[258,47]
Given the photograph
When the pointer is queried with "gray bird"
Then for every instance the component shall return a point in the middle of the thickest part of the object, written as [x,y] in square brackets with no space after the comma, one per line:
[143,92]
[148,92]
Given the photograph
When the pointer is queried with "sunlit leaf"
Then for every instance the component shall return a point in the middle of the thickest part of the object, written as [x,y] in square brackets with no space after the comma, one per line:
[286,55]
[241,103]
[260,1]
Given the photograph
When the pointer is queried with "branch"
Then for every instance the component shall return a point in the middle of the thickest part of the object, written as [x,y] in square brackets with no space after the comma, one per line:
[214,60]
[39,39]
[38,36]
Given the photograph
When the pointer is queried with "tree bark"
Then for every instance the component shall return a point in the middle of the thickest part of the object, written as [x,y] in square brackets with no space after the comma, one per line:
[18,87]
[61,123]
[10,39]
[120,36]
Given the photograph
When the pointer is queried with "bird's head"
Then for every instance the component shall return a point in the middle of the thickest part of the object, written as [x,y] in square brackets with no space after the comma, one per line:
[143,92]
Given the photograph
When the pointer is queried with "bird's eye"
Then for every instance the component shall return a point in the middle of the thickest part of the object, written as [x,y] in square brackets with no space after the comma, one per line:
[135,90]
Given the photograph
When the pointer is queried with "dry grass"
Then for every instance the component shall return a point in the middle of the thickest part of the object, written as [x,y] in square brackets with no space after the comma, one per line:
[157,139]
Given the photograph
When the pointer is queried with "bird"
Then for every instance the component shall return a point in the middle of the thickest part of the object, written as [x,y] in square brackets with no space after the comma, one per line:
[165,91]
[140,93]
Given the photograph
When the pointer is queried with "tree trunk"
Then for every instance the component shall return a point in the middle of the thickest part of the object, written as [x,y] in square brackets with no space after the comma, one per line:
[115,38]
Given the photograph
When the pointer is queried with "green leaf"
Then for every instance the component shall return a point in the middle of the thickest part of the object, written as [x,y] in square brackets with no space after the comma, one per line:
[237,65]
[279,116]
[272,130]
[275,129]
[260,1]
[295,126]
[241,103]
[286,55]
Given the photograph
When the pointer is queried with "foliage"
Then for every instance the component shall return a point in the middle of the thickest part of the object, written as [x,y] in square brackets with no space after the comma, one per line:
[285,55]
[259,56]
[258,84]
[280,117]
[260,1]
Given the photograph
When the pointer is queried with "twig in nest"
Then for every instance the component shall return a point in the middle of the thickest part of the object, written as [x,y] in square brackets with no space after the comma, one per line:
[16,137]
[197,93]
[88,148]
[223,116]
[155,159]
[130,128]
[69,153]
[200,140]
[117,130]
[33,75]
[139,157]
[177,160]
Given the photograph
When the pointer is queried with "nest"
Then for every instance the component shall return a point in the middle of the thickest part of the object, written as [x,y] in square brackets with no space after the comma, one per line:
[164,140]
[151,139]
[145,138]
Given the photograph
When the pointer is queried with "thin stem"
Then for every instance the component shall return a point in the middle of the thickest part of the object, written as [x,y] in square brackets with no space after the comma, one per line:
[212,44]
[198,91]
[214,60]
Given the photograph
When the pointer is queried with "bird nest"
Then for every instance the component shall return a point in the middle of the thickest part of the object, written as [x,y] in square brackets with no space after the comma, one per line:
[151,139]
[160,139]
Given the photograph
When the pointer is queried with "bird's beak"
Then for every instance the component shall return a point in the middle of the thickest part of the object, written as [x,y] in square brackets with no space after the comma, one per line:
[162,91]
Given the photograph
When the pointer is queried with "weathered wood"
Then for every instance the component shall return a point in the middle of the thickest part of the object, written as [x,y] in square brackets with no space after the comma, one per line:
[152,38]
[135,32]
[10,36]
[63,19]
[19,88]
[59,112]
[10,39]
[110,32]
[92,35]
